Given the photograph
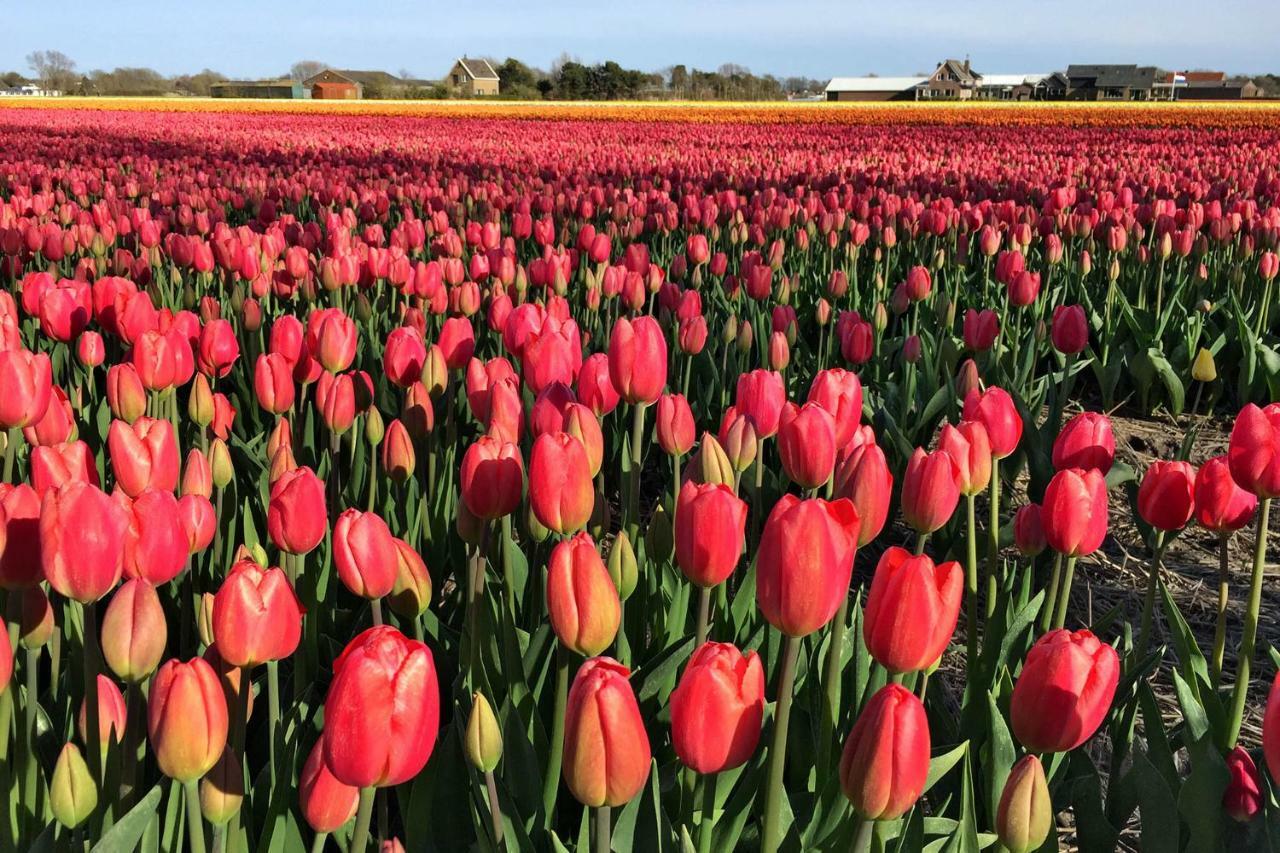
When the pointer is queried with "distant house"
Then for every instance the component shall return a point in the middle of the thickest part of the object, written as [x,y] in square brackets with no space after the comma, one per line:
[28,90]
[274,89]
[1022,87]
[1119,83]
[333,85]
[952,80]
[472,78]
[873,88]
[1214,86]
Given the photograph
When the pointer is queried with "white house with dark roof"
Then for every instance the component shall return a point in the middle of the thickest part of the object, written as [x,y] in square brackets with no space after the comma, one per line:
[472,78]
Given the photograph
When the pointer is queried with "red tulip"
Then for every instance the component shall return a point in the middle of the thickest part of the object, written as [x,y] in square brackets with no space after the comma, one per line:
[886,759]
[676,429]
[1064,691]
[863,477]
[1028,531]
[399,459]
[365,553]
[326,804]
[606,748]
[332,339]
[804,562]
[143,455]
[760,396]
[582,601]
[995,410]
[1070,332]
[336,400]
[717,708]
[1074,511]
[970,449]
[560,489]
[218,349]
[1166,497]
[1270,729]
[457,341]
[112,714]
[1085,442]
[82,537]
[1221,505]
[839,391]
[65,309]
[1242,799]
[256,616]
[155,544]
[552,354]
[638,359]
[382,713]
[980,329]
[807,444]
[595,387]
[710,526]
[27,380]
[6,657]
[911,610]
[53,467]
[492,478]
[186,719]
[273,383]
[90,349]
[930,490]
[156,358]
[134,631]
[296,518]
[1254,451]
[58,424]
[125,393]
[21,564]
[404,356]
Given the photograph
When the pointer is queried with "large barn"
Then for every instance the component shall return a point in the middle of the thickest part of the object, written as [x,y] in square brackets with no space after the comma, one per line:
[873,88]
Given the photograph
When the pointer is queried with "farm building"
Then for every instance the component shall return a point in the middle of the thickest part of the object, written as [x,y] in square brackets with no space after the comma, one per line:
[952,80]
[1119,83]
[1022,87]
[472,78]
[28,90]
[873,88]
[1214,86]
[333,85]
[274,89]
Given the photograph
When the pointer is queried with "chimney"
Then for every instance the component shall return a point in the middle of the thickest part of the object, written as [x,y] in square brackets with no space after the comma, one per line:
[966,63]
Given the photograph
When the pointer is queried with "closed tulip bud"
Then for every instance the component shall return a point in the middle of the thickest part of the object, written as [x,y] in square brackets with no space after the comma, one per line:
[675,426]
[839,391]
[995,410]
[186,719]
[710,527]
[222,789]
[911,610]
[622,565]
[399,459]
[256,616]
[1086,441]
[863,476]
[1070,332]
[886,759]
[930,490]
[197,475]
[606,748]
[73,795]
[435,372]
[740,441]
[492,477]
[332,339]
[659,536]
[112,714]
[537,531]
[717,708]
[711,464]
[365,553]
[761,397]
[1254,450]
[90,349]
[1204,369]
[125,393]
[1220,504]
[1064,691]
[746,337]
[560,489]
[144,455]
[204,618]
[1028,531]
[326,804]
[27,380]
[807,444]
[382,713]
[779,351]
[1025,814]
[296,517]
[411,595]
[980,329]
[134,631]
[804,562]
[967,378]
[581,423]
[37,626]
[483,737]
[638,359]
[1074,512]
[1166,497]
[82,537]
[200,405]
[969,448]
[911,349]
[582,602]
[1242,800]
[220,463]
[404,356]
[336,401]
[273,383]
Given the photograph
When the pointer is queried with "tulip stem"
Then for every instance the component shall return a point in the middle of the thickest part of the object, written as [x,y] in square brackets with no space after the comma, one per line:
[1220,630]
[90,652]
[1149,602]
[1064,595]
[273,713]
[831,673]
[195,823]
[771,838]
[1051,594]
[551,784]
[993,540]
[863,836]
[603,827]
[1241,690]
[317,845]
[971,581]
[704,616]
[495,808]
[360,834]
[707,820]
[633,476]
[10,448]
[375,611]
[30,789]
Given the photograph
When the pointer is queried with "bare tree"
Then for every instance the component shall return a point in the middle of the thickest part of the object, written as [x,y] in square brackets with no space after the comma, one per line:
[53,68]
[305,68]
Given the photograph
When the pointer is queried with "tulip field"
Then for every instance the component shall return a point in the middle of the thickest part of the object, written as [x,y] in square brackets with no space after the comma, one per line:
[651,478]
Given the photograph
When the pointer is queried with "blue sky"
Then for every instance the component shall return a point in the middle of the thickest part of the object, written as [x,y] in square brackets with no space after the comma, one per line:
[817,38]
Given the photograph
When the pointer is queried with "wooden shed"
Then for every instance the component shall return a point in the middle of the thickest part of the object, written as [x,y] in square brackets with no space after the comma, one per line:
[333,85]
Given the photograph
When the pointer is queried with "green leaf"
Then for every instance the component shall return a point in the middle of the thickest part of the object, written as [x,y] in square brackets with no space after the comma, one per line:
[127,831]
[1002,756]
[940,765]
[1157,806]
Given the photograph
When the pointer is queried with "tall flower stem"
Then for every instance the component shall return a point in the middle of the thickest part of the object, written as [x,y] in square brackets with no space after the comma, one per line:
[195,823]
[273,713]
[10,448]
[360,834]
[495,808]
[863,836]
[1051,594]
[603,828]
[1241,690]
[971,592]
[993,540]
[704,616]
[90,652]
[707,821]
[771,837]
[831,674]
[1220,629]
[1149,602]
[1064,594]
[551,784]
[633,476]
